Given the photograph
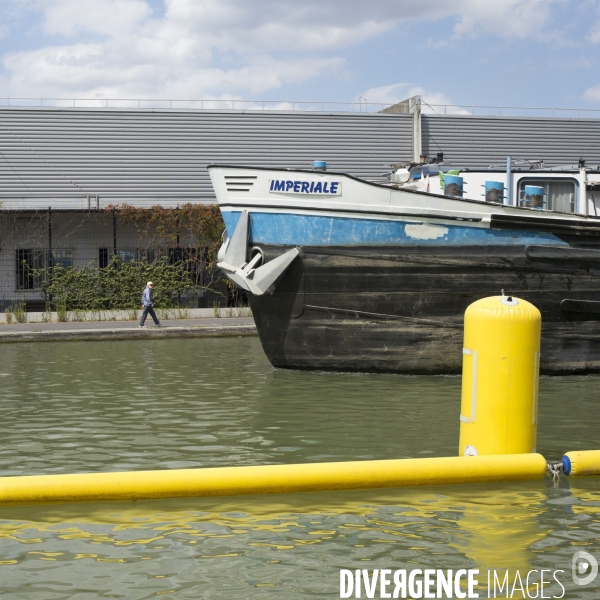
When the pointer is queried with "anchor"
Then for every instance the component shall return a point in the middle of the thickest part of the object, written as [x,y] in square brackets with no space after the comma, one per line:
[244,273]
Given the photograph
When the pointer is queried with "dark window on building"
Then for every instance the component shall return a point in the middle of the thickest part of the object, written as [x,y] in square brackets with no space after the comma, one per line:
[103,257]
[27,261]
[125,254]
[62,258]
[30,259]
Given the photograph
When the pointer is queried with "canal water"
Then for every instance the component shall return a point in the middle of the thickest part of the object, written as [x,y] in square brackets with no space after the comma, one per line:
[167,404]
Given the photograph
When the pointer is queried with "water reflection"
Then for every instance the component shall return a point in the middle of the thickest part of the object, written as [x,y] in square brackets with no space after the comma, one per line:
[185,403]
[295,545]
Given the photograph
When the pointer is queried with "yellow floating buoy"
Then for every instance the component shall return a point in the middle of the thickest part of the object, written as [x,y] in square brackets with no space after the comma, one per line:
[501,362]
[581,464]
[269,479]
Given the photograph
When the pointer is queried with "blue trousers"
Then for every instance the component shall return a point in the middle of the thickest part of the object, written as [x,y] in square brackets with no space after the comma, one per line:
[148,310]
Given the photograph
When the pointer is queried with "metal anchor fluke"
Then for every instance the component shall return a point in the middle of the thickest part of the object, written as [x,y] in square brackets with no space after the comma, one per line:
[242,272]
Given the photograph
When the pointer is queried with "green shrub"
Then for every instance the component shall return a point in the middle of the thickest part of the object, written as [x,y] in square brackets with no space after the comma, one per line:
[118,286]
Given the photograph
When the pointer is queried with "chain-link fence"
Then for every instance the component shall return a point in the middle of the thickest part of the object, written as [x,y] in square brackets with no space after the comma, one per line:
[101,259]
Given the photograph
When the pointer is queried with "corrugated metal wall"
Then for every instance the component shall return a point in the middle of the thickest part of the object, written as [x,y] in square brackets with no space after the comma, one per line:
[477,141]
[56,157]
[143,157]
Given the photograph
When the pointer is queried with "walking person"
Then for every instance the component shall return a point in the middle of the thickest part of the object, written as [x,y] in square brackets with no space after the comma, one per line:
[147,305]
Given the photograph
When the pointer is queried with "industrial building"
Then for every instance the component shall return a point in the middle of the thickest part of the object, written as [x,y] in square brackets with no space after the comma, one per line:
[64,170]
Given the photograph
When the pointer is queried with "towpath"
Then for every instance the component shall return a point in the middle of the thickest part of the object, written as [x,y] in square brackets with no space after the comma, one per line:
[124,330]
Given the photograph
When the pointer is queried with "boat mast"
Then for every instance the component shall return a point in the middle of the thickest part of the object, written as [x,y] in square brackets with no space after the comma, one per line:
[509,194]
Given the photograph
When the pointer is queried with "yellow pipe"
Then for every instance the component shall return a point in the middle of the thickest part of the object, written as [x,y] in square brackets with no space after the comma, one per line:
[269,479]
[582,464]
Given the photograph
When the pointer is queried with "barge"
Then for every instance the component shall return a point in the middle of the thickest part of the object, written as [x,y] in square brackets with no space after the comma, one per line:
[352,275]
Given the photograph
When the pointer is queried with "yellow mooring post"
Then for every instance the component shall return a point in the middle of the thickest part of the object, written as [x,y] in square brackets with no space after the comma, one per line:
[501,363]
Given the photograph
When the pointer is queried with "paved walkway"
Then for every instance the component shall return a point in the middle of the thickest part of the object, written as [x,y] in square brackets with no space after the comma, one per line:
[120,330]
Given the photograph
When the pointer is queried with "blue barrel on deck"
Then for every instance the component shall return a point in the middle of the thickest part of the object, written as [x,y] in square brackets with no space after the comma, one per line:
[453,186]
[534,196]
[319,165]
[494,191]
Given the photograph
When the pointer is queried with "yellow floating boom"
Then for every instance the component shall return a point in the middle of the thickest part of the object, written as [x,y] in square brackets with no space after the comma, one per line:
[269,479]
[583,463]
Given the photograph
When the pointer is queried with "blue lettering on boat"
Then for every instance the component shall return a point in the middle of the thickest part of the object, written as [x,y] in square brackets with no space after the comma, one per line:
[306,187]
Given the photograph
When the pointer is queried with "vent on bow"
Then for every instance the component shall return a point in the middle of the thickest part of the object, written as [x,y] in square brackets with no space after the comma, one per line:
[239,183]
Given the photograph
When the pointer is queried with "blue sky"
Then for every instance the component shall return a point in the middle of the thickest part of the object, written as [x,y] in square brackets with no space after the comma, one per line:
[489,52]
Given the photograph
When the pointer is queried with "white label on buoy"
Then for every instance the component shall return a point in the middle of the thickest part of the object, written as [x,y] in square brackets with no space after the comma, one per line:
[470,451]
[509,301]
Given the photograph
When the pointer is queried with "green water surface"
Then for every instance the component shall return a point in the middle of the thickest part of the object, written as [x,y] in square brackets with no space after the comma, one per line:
[166,404]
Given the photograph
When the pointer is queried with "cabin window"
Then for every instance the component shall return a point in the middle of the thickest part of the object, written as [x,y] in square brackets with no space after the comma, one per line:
[559,194]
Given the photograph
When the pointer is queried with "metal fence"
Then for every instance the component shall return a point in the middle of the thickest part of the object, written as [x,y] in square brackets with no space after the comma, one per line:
[510,111]
[37,245]
[362,105]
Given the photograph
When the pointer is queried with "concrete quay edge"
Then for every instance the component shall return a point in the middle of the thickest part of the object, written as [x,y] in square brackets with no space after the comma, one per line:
[128,333]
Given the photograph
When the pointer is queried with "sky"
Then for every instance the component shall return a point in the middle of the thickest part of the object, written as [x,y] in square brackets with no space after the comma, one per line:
[543,53]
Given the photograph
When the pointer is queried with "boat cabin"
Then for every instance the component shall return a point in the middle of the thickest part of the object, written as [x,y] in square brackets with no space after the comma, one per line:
[566,189]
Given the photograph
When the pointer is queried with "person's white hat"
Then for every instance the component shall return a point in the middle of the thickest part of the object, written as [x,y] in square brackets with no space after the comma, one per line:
[149,284]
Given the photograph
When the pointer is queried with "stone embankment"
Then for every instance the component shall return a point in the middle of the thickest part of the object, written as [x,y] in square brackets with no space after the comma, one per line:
[126,330]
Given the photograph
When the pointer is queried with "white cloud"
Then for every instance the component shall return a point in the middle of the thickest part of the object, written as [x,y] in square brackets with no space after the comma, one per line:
[504,18]
[392,94]
[120,48]
[113,18]
[593,93]
[386,94]
[83,70]
[594,34]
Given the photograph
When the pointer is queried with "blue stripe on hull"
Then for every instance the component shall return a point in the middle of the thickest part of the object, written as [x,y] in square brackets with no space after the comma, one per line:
[307,230]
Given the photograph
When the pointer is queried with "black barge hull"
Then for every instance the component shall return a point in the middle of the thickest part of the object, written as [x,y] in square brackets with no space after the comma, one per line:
[400,309]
